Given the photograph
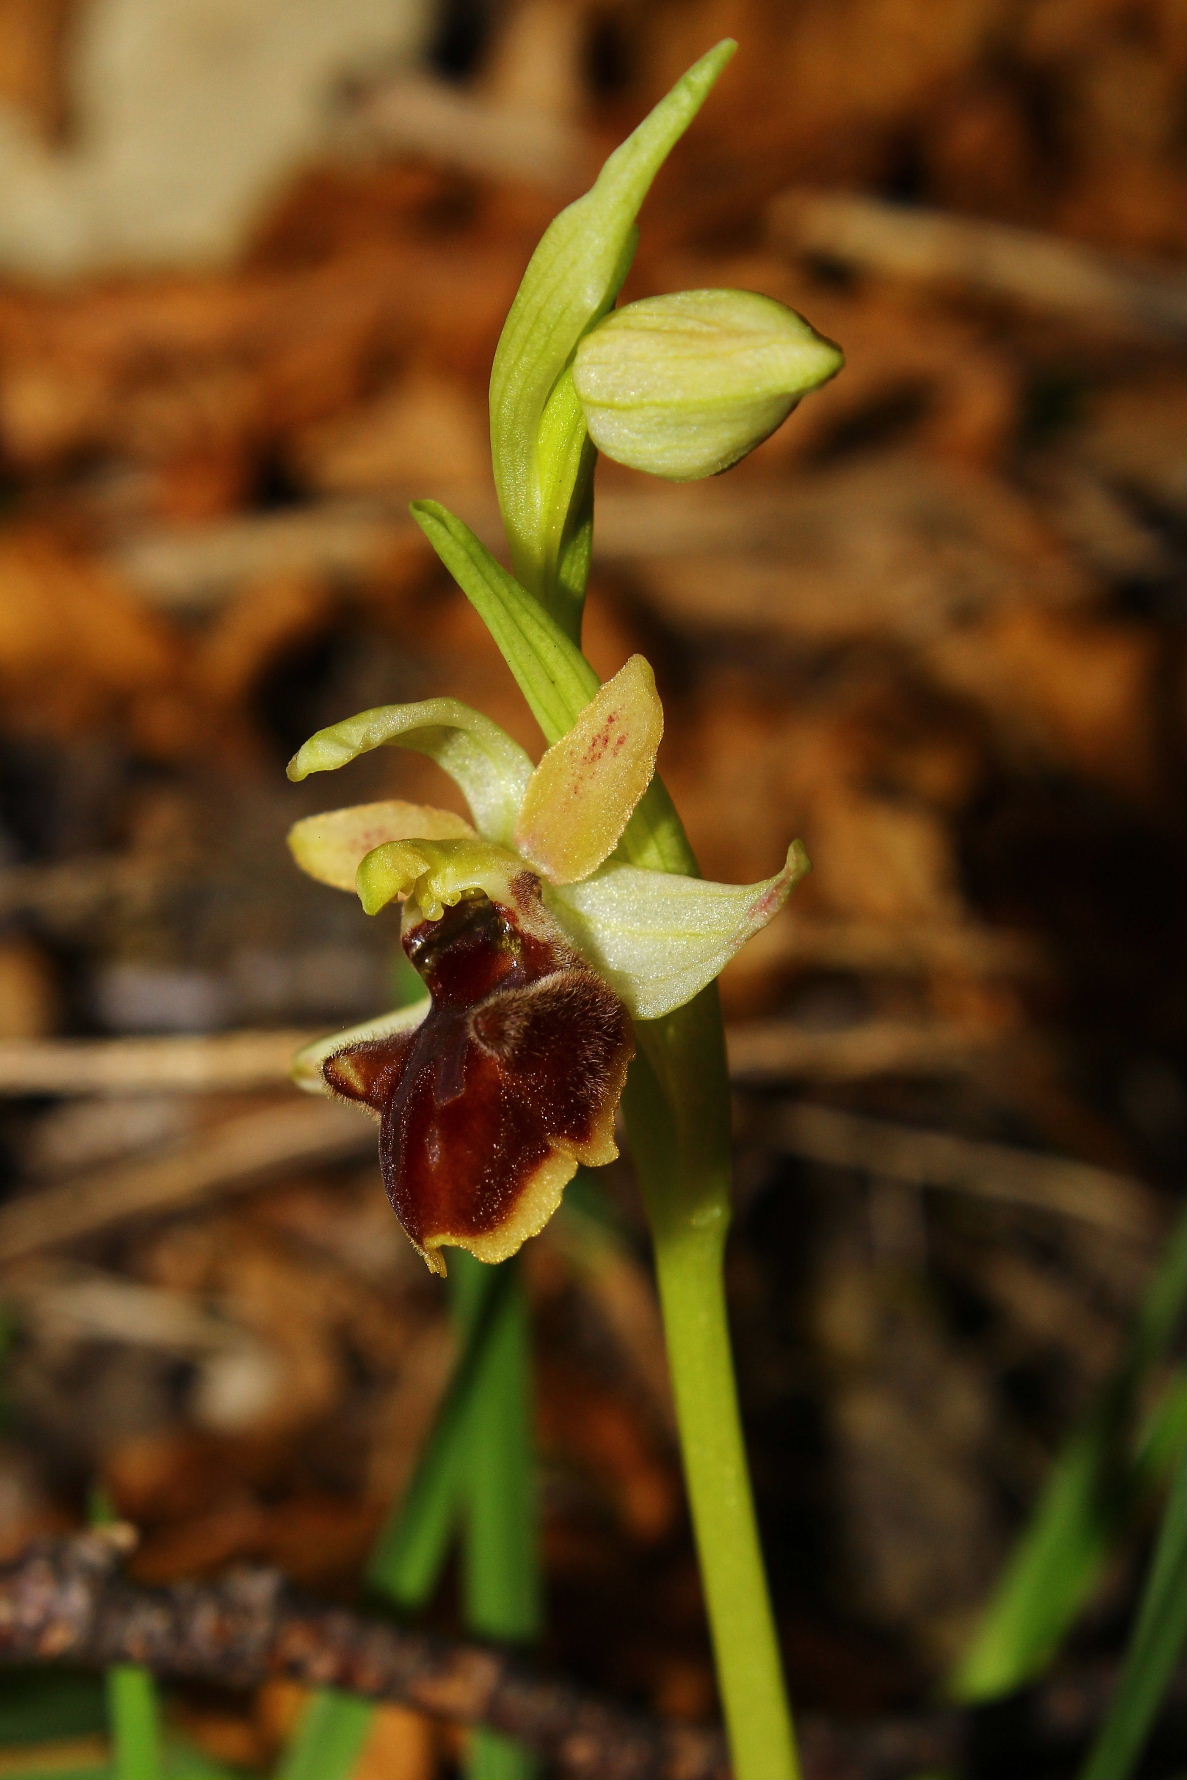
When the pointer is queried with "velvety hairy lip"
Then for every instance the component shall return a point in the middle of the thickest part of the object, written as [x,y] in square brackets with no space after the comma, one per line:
[487,1107]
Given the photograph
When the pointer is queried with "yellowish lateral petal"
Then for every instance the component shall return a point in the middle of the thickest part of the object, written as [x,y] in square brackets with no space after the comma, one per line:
[330,845]
[580,797]
[490,769]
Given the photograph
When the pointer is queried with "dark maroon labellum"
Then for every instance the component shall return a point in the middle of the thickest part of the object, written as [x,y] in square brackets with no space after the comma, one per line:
[509,1082]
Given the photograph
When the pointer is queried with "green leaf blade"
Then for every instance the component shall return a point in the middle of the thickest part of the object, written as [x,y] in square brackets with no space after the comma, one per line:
[1095,1486]
[1154,1648]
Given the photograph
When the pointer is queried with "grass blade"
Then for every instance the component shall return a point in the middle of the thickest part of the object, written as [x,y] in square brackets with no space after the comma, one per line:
[133,1705]
[1094,1489]
[134,1711]
[329,1739]
[40,1706]
[1158,1637]
[501,1563]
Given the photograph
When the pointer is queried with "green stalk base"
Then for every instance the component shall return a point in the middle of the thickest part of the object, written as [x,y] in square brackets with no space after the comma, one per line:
[679,1136]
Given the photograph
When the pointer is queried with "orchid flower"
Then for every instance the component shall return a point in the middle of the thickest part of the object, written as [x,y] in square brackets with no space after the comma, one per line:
[565,920]
[538,947]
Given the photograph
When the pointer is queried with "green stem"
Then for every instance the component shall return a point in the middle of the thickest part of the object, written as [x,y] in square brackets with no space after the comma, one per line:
[501,1571]
[677,1108]
[677,1118]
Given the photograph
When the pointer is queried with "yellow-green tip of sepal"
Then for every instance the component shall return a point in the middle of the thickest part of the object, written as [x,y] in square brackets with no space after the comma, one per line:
[684,385]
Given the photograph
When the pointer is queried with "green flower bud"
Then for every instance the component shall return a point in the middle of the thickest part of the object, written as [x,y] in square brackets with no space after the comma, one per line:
[684,385]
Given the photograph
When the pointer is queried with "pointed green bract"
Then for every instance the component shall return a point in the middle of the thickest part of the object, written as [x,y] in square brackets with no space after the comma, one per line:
[571,280]
[565,464]
[549,668]
[659,938]
[491,770]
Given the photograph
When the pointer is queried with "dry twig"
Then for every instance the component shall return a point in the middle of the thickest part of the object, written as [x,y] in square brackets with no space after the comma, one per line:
[221,1063]
[990,258]
[778,1049]
[250,1061]
[235,1155]
[244,1151]
[1056,1184]
[415,114]
[65,1601]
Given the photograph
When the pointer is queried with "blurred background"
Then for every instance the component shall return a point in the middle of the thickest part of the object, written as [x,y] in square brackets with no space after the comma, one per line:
[253,263]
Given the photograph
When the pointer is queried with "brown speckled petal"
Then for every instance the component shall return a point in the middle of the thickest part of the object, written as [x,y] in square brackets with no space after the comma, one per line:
[513,1078]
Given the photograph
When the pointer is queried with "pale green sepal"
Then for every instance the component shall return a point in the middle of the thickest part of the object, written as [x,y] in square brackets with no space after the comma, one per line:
[306,1067]
[434,875]
[491,770]
[573,278]
[658,938]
